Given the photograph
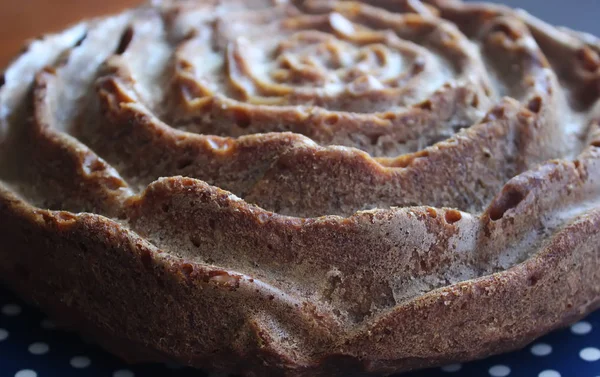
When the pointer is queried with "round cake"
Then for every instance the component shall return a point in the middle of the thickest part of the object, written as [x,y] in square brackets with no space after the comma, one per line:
[305,188]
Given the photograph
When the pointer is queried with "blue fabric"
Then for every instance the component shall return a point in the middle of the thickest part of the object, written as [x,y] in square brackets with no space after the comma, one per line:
[30,346]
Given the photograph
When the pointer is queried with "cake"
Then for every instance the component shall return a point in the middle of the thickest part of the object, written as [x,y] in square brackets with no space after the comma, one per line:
[304,188]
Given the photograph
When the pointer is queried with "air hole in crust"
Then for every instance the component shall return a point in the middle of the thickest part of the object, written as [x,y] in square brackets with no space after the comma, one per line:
[2,80]
[187,269]
[418,67]
[184,65]
[425,105]
[589,59]
[96,166]
[475,101]
[114,183]
[532,280]
[195,240]
[457,127]
[65,217]
[126,38]
[535,104]
[241,118]
[494,114]
[187,182]
[510,198]
[596,143]
[80,40]
[389,116]
[452,216]
[332,119]
[374,139]
[49,70]
[507,30]
[184,163]
[285,64]
[146,258]
[24,48]
[431,212]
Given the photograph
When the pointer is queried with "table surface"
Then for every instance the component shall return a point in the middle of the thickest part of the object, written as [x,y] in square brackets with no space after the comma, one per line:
[31,346]
[24,19]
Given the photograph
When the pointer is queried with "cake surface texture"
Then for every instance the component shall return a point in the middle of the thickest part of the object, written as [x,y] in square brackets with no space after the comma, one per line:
[305,188]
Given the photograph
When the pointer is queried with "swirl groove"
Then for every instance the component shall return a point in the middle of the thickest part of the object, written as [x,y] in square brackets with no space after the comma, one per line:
[343,179]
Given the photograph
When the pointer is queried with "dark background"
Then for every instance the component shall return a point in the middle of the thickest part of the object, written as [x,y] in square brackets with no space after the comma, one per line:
[582,15]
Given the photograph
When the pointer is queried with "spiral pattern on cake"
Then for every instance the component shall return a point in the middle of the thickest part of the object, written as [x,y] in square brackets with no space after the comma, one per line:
[317,181]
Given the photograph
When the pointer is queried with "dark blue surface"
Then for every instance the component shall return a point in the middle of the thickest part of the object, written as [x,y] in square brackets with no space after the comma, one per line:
[24,329]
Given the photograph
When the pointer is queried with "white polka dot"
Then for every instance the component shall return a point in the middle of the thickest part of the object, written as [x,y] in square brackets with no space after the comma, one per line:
[452,368]
[48,324]
[549,373]
[123,373]
[590,354]
[11,310]
[38,348]
[499,371]
[3,334]
[541,349]
[26,373]
[581,328]
[80,362]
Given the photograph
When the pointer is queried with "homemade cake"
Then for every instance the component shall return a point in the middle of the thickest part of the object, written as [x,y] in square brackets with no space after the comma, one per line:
[304,188]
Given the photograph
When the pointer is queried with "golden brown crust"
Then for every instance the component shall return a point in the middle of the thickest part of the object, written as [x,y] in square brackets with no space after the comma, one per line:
[305,188]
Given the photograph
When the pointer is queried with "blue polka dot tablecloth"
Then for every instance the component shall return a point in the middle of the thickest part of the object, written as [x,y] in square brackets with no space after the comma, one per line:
[32,346]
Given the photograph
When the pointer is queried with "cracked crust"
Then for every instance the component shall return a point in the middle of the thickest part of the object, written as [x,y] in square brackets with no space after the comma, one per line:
[305,188]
